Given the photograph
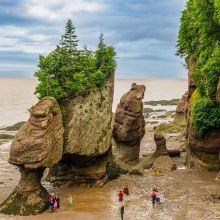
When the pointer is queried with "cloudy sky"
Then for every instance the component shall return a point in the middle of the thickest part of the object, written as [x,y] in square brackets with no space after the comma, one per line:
[143,32]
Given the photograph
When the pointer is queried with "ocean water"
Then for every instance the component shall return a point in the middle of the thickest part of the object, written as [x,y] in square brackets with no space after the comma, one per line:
[17,95]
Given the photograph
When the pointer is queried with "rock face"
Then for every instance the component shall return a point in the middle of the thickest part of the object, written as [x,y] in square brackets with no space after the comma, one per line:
[129,125]
[37,145]
[161,160]
[181,109]
[202,152]
[218,92]
[87,137]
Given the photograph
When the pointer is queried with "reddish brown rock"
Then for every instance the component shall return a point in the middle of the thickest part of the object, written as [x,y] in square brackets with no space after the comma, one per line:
[37,145]
[181,109]
[39,142]
[203,152]
[129,124]
[191,69]
[161,160]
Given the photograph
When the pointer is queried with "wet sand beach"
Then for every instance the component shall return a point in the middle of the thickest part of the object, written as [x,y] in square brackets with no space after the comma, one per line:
[185,193]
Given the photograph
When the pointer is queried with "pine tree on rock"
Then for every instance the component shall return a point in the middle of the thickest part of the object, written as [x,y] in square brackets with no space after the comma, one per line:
[100,53]
[70,41]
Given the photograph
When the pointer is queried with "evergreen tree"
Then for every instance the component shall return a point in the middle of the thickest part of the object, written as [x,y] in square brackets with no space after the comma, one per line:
[69,39]
[100,53]
[101,45]
[69,72]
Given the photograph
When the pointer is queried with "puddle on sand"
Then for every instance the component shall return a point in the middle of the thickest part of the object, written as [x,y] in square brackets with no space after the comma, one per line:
[181,167]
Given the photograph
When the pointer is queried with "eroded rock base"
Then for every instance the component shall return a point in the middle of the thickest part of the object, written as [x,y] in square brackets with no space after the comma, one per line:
[29,197]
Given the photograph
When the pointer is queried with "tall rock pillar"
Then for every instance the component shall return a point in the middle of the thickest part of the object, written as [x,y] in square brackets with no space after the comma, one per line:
[37,145]
[129,125]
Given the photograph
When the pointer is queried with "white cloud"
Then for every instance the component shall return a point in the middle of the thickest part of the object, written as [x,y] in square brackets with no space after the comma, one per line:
[56,10]
[25,39]
[7,41]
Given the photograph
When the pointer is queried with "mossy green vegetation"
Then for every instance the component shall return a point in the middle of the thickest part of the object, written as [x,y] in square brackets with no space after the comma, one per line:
[148,110]
[69,72]
[199,43]
[6,136]
[20,204]
[14,127]
[205,115]
[171,127]
[136,172]
[163,102]
[113,171]
[104,132]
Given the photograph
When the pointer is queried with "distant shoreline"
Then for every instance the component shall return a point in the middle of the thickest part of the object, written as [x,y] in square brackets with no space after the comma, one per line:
[119,79]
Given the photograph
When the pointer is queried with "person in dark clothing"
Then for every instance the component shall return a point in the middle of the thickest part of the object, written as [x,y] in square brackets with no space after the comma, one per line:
[126,190]
[158,199]
[58,201]
[122,209]
[51,202]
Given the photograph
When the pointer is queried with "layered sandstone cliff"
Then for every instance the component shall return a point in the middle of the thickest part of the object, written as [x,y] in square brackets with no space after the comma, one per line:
[202,151]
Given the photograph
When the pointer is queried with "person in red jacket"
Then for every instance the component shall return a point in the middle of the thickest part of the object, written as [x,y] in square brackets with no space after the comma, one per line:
[120,196]
[126,190]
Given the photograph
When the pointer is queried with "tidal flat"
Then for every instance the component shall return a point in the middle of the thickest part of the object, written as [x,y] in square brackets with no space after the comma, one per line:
[185,193]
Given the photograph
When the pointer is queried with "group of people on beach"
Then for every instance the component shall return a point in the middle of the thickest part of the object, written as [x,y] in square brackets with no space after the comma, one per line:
[155,198]
[154,195]
[53,202]
[121,198]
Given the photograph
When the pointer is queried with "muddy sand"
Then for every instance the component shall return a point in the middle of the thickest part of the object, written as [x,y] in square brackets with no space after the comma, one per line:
[185,193]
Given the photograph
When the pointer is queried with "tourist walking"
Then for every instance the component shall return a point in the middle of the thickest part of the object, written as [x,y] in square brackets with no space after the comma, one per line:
[58,201]
[122,209]
[70,200]
[153,196]
[120,196]
[157,198]
[55,204]
[126,190]
[51,202]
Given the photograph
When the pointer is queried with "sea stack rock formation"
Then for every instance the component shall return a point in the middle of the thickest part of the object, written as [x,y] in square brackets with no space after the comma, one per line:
[129,125]
[181,109]
[161,160]
[37,145]
[87,137]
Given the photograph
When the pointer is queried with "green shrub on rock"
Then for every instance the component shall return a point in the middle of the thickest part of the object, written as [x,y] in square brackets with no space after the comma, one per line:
[69,72]
[205,116]
[198,42]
